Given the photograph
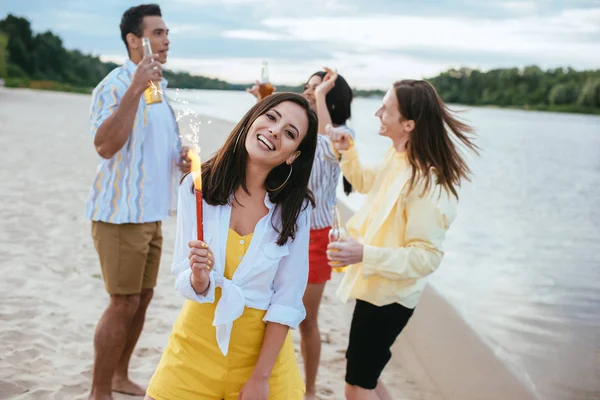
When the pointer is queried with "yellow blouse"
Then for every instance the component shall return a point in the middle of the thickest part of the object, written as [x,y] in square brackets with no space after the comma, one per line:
[237,245]
[402,232]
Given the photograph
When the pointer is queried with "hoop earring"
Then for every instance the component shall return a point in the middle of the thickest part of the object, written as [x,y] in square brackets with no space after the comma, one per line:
[284,182]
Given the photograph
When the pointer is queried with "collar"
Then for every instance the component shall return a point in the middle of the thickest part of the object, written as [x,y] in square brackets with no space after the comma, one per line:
[268,202]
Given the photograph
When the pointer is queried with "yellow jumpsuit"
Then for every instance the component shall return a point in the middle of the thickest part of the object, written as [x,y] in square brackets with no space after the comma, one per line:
[193,367]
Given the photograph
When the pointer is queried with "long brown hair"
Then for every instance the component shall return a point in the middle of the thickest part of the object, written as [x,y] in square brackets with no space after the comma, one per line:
[225,171]
[431,146]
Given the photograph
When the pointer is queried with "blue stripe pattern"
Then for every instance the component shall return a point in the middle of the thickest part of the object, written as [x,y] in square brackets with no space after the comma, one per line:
[323,182]
[118,192]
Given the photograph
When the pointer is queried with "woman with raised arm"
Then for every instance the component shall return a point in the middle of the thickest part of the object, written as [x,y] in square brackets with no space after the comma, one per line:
[396,237]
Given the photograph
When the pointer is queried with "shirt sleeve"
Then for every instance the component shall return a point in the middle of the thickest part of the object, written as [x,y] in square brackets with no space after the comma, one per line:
[105,100]
[360,176]
[290,281]
[186,231]
[428,218]
[327,148]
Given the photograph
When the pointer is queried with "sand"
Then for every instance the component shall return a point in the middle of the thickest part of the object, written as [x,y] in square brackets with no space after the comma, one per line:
[52,295]
[51,291]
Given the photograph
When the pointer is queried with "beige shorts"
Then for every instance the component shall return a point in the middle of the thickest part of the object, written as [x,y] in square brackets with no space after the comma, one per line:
[129,255]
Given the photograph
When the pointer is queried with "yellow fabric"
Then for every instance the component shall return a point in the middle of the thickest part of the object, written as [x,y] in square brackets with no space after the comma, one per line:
[193,367]
[402,232]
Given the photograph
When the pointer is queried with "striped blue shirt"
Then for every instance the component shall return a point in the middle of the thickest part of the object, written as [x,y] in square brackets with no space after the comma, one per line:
[139,183]
[323,182]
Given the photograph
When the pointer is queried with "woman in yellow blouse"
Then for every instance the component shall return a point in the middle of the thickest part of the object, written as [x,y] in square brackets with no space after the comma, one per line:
[396,237]
[244,283]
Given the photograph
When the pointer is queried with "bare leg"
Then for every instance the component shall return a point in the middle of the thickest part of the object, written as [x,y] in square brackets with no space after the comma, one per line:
[109,342]
[311,337]
[382,391]
[120,380]
[358,393]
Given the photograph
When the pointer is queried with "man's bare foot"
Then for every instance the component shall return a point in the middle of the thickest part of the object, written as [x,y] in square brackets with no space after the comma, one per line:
[310,396]
[100,396]
[126,386]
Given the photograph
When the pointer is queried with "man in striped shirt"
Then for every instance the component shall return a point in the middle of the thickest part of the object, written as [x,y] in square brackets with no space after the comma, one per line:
[134,189]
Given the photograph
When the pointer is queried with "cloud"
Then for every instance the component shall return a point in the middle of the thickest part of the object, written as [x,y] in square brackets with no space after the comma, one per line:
[205,2]
[248,34]
[278,8]
[67,21]
[188,29]
[563,38]
[375,50]
[525,7]
[372,42]
[324,4]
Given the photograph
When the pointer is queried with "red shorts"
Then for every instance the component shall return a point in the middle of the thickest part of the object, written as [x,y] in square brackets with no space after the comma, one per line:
[319,270]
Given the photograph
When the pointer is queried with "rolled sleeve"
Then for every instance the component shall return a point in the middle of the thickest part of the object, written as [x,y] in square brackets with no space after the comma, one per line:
[105,99]
[329,153]
[327,149]
[290,281]
[285,315]
[184,286]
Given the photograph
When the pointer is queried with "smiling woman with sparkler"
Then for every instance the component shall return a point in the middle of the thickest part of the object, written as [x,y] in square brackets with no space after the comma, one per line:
[331,97]
[244,283]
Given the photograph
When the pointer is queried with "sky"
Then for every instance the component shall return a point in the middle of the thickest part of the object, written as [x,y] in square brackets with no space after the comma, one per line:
[372,43]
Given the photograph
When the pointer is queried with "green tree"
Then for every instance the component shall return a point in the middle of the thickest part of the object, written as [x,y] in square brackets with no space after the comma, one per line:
[564,93]
[590,95]
[530,87]
[20,42]
[3,55]
[49,57]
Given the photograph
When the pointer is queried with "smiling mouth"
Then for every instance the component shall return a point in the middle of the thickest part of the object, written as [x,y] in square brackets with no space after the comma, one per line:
[266,142]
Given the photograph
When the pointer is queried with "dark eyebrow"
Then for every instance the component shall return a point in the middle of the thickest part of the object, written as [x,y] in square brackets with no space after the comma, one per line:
[159,30]
[293,126]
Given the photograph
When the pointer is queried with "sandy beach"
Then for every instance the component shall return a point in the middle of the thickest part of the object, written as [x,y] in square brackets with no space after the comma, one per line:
[52,295]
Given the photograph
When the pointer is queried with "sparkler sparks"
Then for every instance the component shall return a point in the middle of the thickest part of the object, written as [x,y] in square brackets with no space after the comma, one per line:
[188,120]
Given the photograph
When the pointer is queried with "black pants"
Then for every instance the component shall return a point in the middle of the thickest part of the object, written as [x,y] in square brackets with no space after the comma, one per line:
[372,333]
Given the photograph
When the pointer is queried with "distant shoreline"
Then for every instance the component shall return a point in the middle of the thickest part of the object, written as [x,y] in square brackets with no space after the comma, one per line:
[560,89]
[567,109]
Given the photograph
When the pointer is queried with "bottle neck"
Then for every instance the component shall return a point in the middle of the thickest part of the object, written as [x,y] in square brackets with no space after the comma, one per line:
[335,218]
[146,47]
